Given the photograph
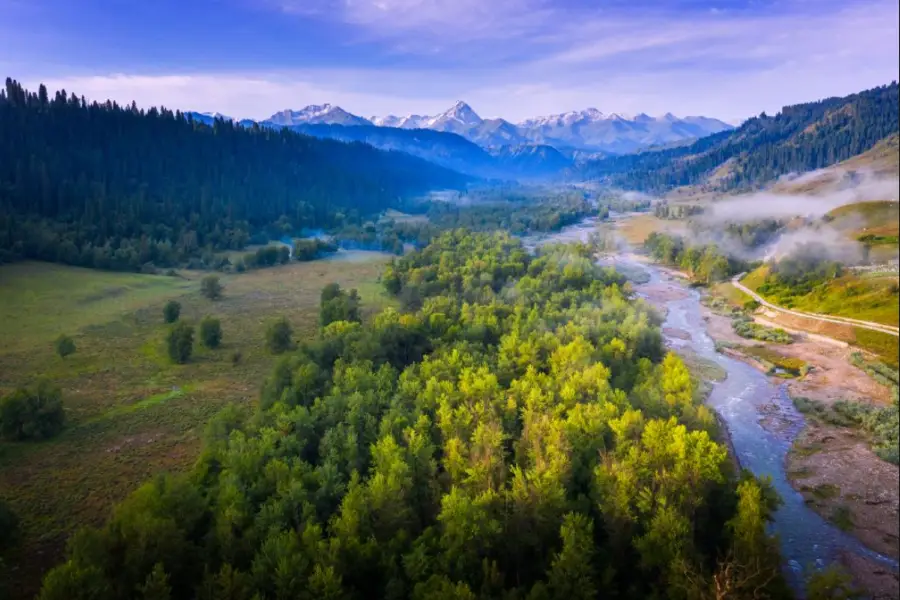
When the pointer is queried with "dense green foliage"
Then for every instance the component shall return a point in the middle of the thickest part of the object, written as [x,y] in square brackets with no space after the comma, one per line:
[114,187]
[180,342]
[800,138]
[279,336]
[211,287]
[211,332]
[704,264]
[32,413]
[518,210]
[518,218]
[312,249]
[9,528]
[267,256]
[338,305]
[745,327]
[171,311]
[64,345]
[521,435]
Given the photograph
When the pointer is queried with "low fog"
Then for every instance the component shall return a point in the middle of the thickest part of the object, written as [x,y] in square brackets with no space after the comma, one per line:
[803,210]
[859,186]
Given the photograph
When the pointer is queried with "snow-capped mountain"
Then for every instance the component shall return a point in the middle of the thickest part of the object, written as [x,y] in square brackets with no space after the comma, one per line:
[591,129]
[588,130]
[462,120]
[316,114]
[208,117]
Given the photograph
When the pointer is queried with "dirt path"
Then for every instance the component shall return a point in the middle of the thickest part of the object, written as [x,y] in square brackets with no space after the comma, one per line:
[827,318]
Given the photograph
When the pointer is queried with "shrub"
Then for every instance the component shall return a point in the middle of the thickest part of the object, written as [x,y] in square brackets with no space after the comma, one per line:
[64,345]
[210,287]
[236,357]
[211,332]
[279,336]
[171,311]
[180,342]
[9,528]
[32,414]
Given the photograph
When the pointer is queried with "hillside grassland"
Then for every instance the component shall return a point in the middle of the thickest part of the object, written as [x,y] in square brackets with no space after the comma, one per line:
[875,222]
[867,298]
[132,413]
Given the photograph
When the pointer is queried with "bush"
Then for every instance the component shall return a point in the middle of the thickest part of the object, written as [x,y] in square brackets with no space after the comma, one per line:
[211,288]
[211,332]
[171,311]
[180,342]
[236,357]
[279,336]
[9,528]
[881,423]
[746,328]
[64,345]
[32,414]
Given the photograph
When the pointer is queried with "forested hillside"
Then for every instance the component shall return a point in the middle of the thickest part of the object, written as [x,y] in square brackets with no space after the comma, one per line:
[799,138]
[115,187]
[519,433]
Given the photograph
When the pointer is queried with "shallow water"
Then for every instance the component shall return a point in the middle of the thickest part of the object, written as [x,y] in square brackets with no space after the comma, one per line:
[807,540]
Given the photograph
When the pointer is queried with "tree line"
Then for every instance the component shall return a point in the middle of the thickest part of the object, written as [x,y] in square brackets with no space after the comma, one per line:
[115,187]
[703,263]
[517,432]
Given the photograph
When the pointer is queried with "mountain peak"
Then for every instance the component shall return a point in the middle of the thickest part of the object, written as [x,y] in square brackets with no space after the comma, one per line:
[316,114]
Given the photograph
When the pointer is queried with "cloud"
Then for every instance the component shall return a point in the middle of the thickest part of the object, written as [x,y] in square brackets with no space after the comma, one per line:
[514,58]
[461,21]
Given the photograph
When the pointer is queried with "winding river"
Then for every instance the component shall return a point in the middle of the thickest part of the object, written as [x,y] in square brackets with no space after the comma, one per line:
[807,540]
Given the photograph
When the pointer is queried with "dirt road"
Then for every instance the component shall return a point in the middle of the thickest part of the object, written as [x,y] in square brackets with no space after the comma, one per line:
[736,282]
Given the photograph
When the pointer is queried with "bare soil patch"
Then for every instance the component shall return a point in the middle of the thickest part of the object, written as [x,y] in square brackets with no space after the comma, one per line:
[848,484]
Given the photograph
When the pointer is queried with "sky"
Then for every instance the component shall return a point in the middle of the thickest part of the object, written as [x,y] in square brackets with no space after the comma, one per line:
[514,59]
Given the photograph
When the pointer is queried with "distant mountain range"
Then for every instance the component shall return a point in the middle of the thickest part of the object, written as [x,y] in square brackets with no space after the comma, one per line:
[587,130]
[460,139]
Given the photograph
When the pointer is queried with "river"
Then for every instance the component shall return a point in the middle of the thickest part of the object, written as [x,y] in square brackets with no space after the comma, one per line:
[807,540]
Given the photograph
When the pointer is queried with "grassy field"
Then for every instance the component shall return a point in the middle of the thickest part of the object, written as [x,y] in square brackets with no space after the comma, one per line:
[131,413]
[636,229]
[731,294]
[868,298]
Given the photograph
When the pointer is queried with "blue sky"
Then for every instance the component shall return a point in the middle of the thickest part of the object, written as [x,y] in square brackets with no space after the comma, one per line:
[509,58]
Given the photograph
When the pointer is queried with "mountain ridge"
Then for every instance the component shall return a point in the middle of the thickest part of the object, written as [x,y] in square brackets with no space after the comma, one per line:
[588,129]
[799,138]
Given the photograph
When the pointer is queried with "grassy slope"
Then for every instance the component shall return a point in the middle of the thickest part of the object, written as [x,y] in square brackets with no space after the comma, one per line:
[868,298]
[877,218]
[132,413]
